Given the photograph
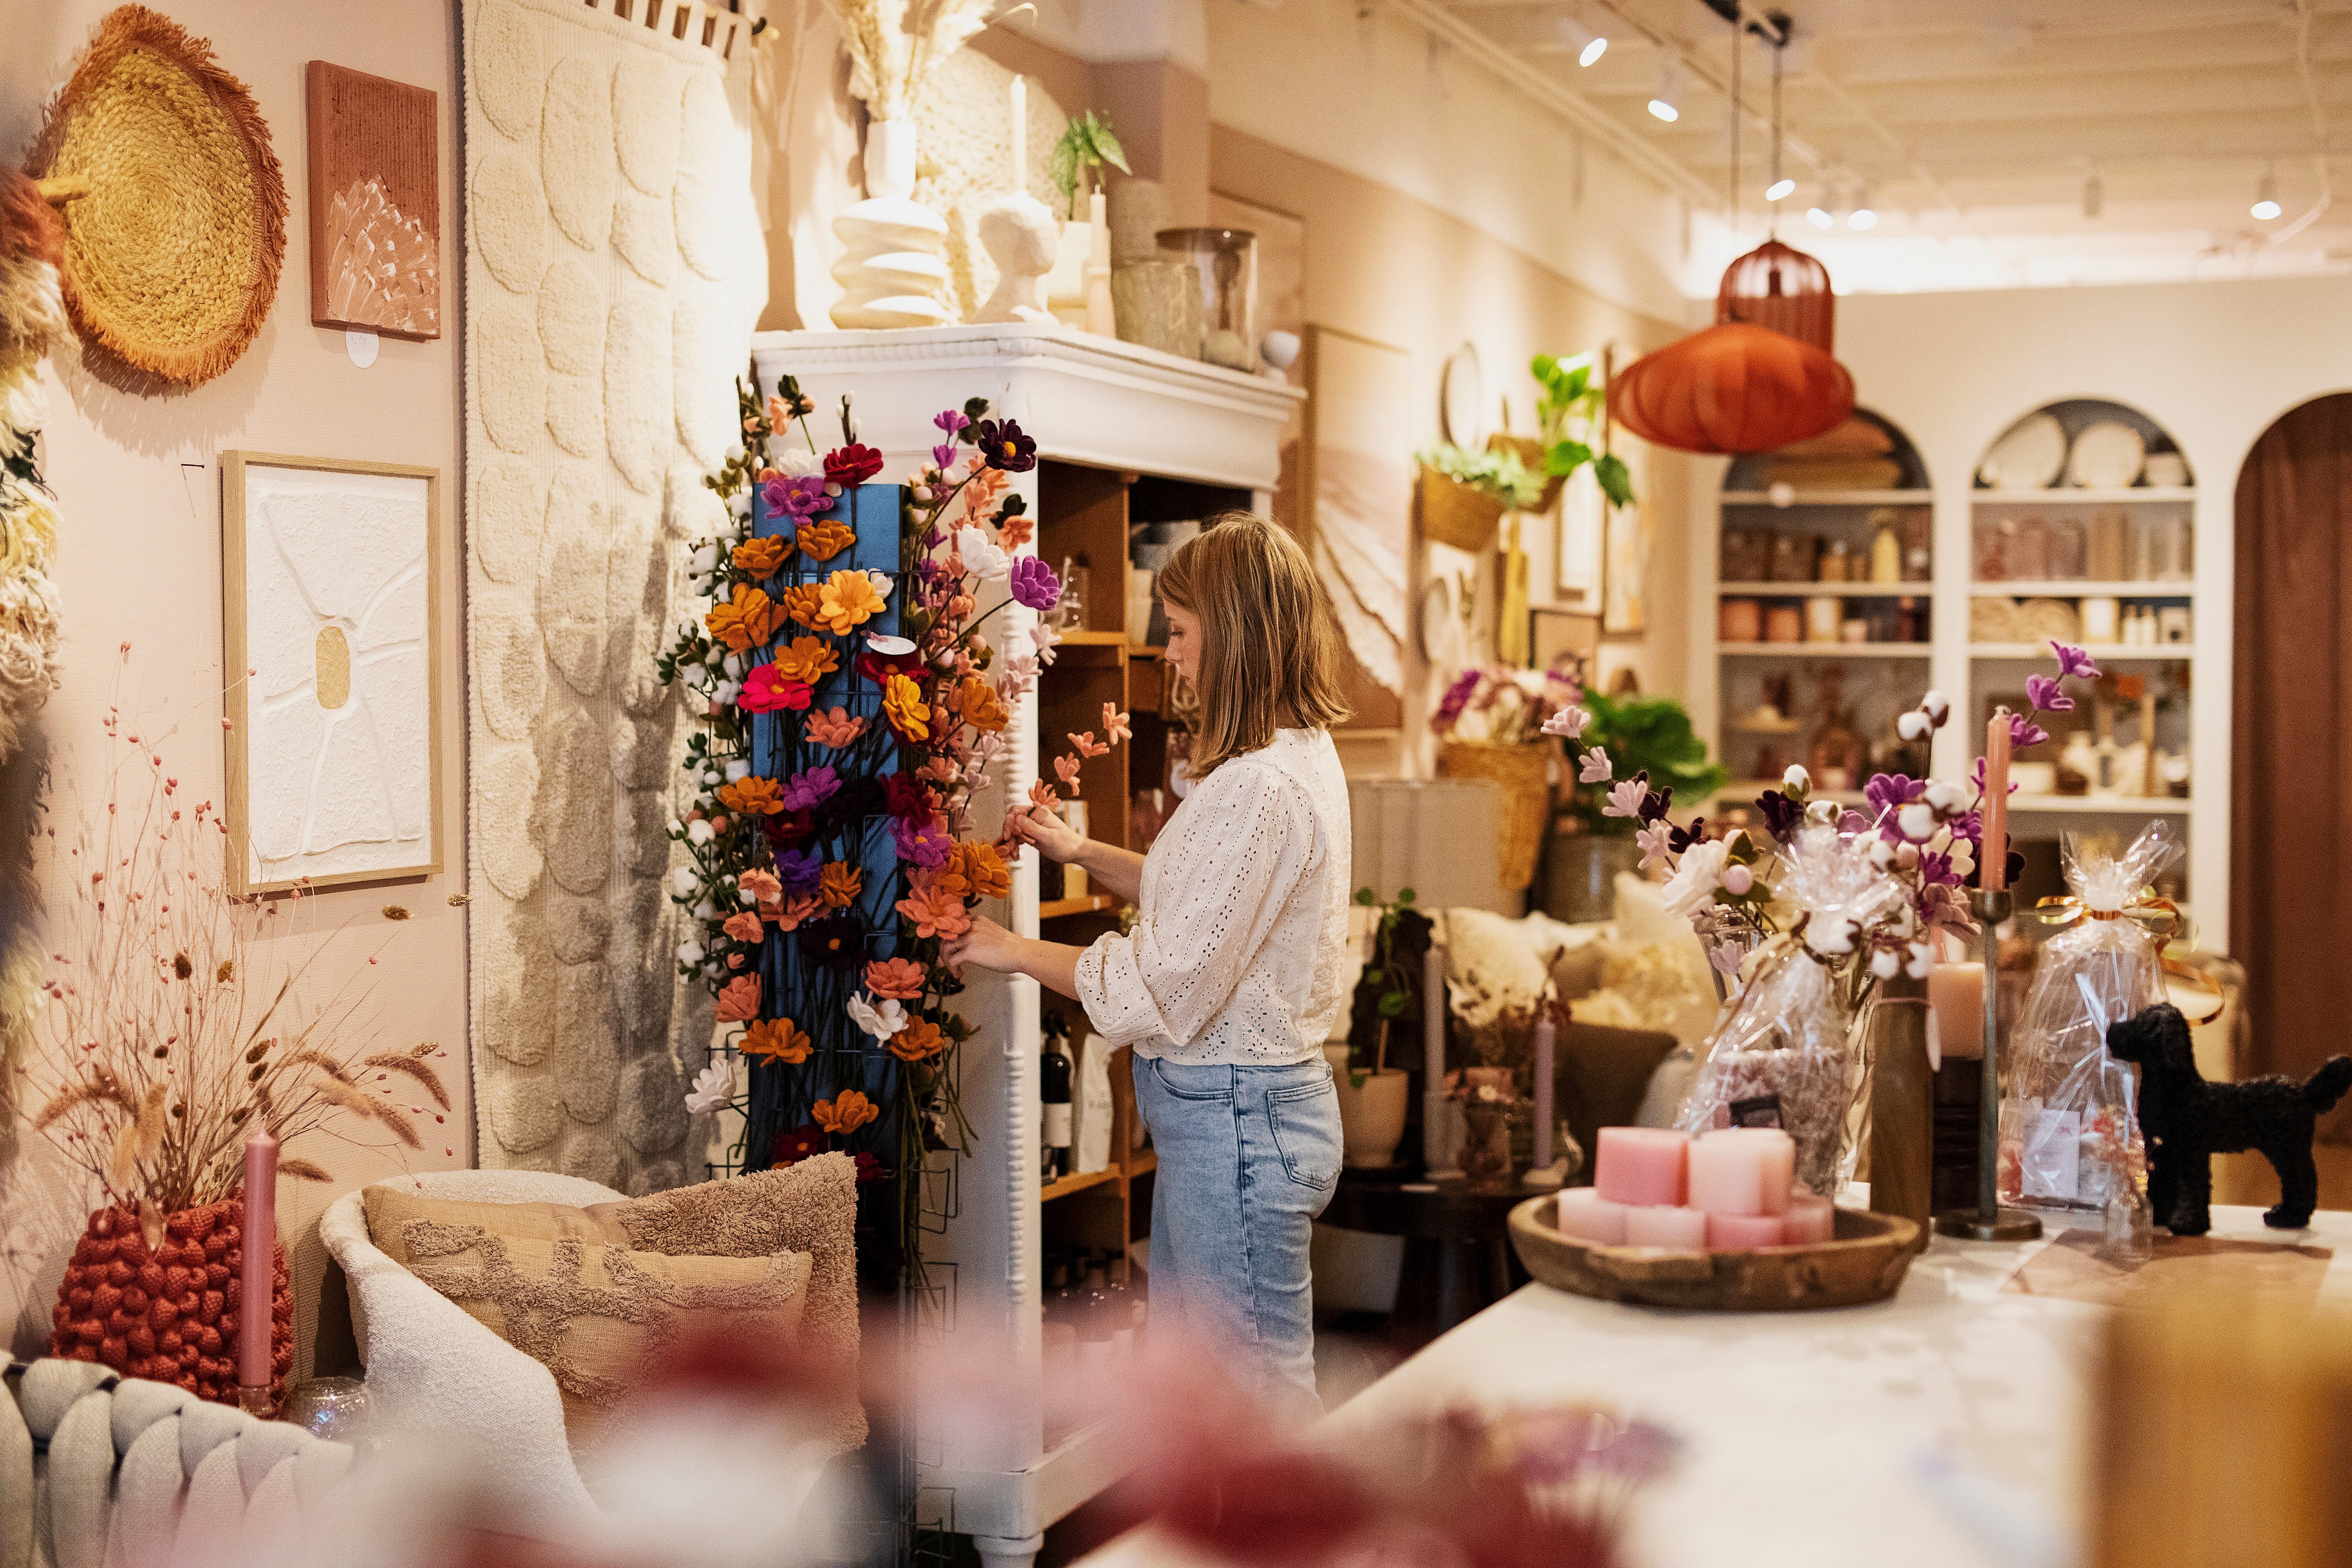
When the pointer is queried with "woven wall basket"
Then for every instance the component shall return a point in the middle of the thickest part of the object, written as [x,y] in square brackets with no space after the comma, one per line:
[172,259]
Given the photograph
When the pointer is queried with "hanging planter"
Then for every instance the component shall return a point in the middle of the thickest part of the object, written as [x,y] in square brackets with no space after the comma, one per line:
[1530,455]
[1732,388]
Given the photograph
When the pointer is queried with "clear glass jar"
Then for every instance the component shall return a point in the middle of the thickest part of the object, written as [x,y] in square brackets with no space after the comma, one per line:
[1224,271]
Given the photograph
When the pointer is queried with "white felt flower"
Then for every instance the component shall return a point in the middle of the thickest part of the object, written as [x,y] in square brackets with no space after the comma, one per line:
[1651,842]
[880,1022]
[984,560]
[713,1087]
[1595,767]
[1692,887]
[1726,957]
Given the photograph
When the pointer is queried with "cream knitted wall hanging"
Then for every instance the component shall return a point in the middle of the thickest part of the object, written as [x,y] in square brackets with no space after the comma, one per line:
[613,269]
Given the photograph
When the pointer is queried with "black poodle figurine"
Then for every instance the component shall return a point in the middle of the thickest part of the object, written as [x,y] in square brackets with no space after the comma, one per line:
[2185,1121]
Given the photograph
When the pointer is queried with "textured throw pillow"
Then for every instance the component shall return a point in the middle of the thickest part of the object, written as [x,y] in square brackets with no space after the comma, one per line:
[593,1313]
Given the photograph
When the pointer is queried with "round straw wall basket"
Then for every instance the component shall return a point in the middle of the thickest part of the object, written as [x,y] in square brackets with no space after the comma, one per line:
[171,257]
[1452,513]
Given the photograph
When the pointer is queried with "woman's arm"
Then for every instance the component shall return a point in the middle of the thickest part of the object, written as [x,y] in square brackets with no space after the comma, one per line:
[1052,964]
[1120,871]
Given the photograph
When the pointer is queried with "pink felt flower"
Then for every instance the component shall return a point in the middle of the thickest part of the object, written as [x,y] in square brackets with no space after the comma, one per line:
[765,691]
[744,927]
[1115,725]
[739,1002]
[1067,770]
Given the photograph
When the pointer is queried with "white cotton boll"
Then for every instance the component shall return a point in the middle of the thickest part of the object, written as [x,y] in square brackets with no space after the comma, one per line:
[740,503]
[711,777]
[705,560]
[726,694]
[706,911]
[1881,853]
[675,828]
[735,452]
[1914,726]
[683,881]
[710,971]
[1922,960]
[1833,936]
[733,667]
[699,831]
[1824,812]
[1937,705]
[691,953]
[1944,795]
[1915,821]
[746,897]
[1797,781]
[1906,855]
[1886,964]
[738,771]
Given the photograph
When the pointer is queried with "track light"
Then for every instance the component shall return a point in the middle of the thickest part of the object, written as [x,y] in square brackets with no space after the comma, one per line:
[1779,189]
[1819,217]
[1589,45]
[1662,105]
[2095,196]
[1864,214]
[2266,202]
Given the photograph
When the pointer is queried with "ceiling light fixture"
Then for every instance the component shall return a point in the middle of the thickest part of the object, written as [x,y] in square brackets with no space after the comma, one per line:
[2266,202]
[1662,104]
[2095,196]
[1864,214]
[1819,217]
[1589,45]
[1779,190]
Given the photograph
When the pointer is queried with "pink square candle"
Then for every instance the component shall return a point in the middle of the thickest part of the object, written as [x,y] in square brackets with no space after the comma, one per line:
[1809,1219]
[1585,1214]
[1641,1165]
[1743,1170]
[1657,1226]
[1738,1232]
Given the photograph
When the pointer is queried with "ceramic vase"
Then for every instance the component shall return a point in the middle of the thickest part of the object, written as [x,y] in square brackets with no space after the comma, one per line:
[1372,1115]
[169,1313]
[1902,1104]
[893,262]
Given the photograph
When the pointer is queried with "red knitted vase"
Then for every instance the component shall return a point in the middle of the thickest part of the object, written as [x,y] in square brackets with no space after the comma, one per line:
[169,1314]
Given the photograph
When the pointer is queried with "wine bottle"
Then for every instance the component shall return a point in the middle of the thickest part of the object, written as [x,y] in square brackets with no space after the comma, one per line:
[1054,1090]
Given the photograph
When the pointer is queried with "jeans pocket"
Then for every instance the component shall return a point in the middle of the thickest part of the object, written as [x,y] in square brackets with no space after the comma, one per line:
[1200,1083]
[1306,1125]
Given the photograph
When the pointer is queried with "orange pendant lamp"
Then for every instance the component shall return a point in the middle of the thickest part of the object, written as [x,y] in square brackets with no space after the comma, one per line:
[1761,378]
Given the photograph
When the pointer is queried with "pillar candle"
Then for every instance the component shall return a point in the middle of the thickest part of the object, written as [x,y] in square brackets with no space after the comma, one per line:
[1738,1232]
[1810,1218]
[1955,992]
[1019,93]
[1545,1038]
[258,1289]
[1742,1170]
[1585,1214]
[1655,1224]
[1994,874]
[1640,1164]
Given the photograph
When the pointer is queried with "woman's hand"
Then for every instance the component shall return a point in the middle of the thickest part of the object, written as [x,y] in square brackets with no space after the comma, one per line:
[987,944]
[1055,838]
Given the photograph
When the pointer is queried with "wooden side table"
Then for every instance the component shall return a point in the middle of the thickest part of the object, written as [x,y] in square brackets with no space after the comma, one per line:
[1458,1248]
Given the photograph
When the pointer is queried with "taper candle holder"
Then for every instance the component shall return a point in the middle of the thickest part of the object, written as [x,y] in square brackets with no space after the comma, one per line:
[1988,1221]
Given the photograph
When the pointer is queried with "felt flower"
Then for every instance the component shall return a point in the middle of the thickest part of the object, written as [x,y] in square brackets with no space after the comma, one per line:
[899,978]
[713,1087]
[763,556]
[799,872]
[1693,885]
[848,599]
[852,465]
[1595,767]
[1568,722]
[951,423]
[751,796]
[1067,768]
[745,927]
[801,496]
[788,829]
[833,727]
[1035,585]
[1042,793]
[904,708]
[1782,816]
[1005,446]
[839,884]
[2023,732]
[905,796]
[926,843]
[768,688]
[920,1041]
[943,457]
[788,915]
[1725,957]
[761,885]
[802,1143]
[807,658]
[810,788]
[981,869]
[739,1000]
[1651,842]
[744,621]
[1115,725]
[1045,639]
[2075,661]
[778,1039]
[981,559]
[975,702]
[879,663]
[881,1021]
[845,1113]
[1086,745]
[824,539]
[2045,693]
[804,602]
[935,912]
[833,942]
[1625,799]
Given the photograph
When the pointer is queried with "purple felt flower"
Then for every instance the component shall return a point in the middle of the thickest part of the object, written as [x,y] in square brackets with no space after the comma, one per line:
[2046,696]
[1781,814]
[2075,661]
[1456,698]
[2023,732]
[1035,585]
[799,873]
[807,791]
[944,454]
[951,423]
[1888,793]
[1007,446]
[802,497]
[924,844]
[1657,801]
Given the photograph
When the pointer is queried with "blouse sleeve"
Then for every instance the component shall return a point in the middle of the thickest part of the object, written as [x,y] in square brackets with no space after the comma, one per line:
[1216,897]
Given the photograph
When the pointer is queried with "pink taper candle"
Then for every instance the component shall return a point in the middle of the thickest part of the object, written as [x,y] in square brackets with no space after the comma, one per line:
[258,1292]
[1994,876]
[1546,1038]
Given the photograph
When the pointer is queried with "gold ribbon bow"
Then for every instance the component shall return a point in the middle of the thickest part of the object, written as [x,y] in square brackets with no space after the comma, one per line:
[2161,918]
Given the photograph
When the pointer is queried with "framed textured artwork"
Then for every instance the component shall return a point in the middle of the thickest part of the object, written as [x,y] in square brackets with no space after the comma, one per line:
[330,608]
[376,204]
[1626,535]
[1358,487]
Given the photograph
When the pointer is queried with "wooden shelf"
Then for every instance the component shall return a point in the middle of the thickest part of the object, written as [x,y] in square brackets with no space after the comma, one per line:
[1145,650]
[1831,498]
[2108,804]
[1836,590]
[2077,589]
[1826,649]
[1076,1184]
[2154,653]
[1081,639]
[2081,497]
[1093,903]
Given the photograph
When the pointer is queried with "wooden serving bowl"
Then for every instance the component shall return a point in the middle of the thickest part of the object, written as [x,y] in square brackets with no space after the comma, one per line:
[1864,1262]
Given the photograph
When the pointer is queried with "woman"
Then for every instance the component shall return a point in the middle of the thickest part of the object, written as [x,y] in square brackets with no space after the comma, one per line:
[1234,972]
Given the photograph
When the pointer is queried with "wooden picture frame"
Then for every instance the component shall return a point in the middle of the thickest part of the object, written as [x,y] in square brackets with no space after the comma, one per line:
[375,157]
[336,561]
[1554,630]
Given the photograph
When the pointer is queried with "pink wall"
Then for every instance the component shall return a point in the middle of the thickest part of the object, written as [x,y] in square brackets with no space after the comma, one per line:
[138,486]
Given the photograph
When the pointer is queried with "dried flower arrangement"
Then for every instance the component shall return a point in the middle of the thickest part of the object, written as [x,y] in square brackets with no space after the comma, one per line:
[176,1017]
[895,45]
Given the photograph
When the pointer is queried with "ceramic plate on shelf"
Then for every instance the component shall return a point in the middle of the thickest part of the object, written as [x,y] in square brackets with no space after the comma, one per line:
[2028,456]
[2107,457]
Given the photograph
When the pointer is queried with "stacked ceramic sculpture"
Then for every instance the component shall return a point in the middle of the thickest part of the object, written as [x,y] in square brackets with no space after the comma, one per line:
[893,265]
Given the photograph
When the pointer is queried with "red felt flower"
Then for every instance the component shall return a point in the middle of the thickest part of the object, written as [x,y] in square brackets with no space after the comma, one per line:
[852,465]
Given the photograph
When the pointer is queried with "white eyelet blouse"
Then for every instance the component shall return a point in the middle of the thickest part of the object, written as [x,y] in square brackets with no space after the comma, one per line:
[1239,953]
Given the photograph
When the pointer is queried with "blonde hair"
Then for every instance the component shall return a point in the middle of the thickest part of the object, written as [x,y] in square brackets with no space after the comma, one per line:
[1270,642]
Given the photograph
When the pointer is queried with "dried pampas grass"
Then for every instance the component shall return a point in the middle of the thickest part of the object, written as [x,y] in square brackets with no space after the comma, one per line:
[895,45]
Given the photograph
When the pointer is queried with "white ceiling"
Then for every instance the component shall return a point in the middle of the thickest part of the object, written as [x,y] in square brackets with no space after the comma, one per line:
[1972,126]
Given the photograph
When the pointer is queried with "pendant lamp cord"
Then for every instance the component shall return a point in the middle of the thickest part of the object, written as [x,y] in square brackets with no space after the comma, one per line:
[1738,108]
[1772,218]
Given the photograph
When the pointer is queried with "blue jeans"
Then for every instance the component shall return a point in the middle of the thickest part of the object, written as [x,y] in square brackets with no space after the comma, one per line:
[1248,1157]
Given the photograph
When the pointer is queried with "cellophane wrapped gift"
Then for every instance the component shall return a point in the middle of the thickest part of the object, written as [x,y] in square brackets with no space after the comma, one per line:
[1784,1053]
[2069,1133]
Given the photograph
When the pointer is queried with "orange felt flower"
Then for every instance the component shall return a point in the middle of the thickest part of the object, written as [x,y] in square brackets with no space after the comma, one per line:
[845,1113]
[800,602]
[976,701]
[778,1039]
[740,1001]
[752,796]
[1015,532]
[764,556]
[808,659]
[1115,725]
[919,1041]
[794,910]
[761,885]
[834,728]
[983,871]
[1086,745]
[1042,793]
[903,706]
[895,979]
[935,911]
[745,927]
[823,540]
[839,884]
[1067,770]
[744,622]
[848,599]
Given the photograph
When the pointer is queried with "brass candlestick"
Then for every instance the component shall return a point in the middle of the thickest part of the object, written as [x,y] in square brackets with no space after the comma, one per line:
[1987,1221]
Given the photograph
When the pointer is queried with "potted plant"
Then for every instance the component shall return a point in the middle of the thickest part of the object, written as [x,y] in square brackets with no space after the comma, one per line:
[1568,403]
[1372,1097]
[1647,738]
[1464,495]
